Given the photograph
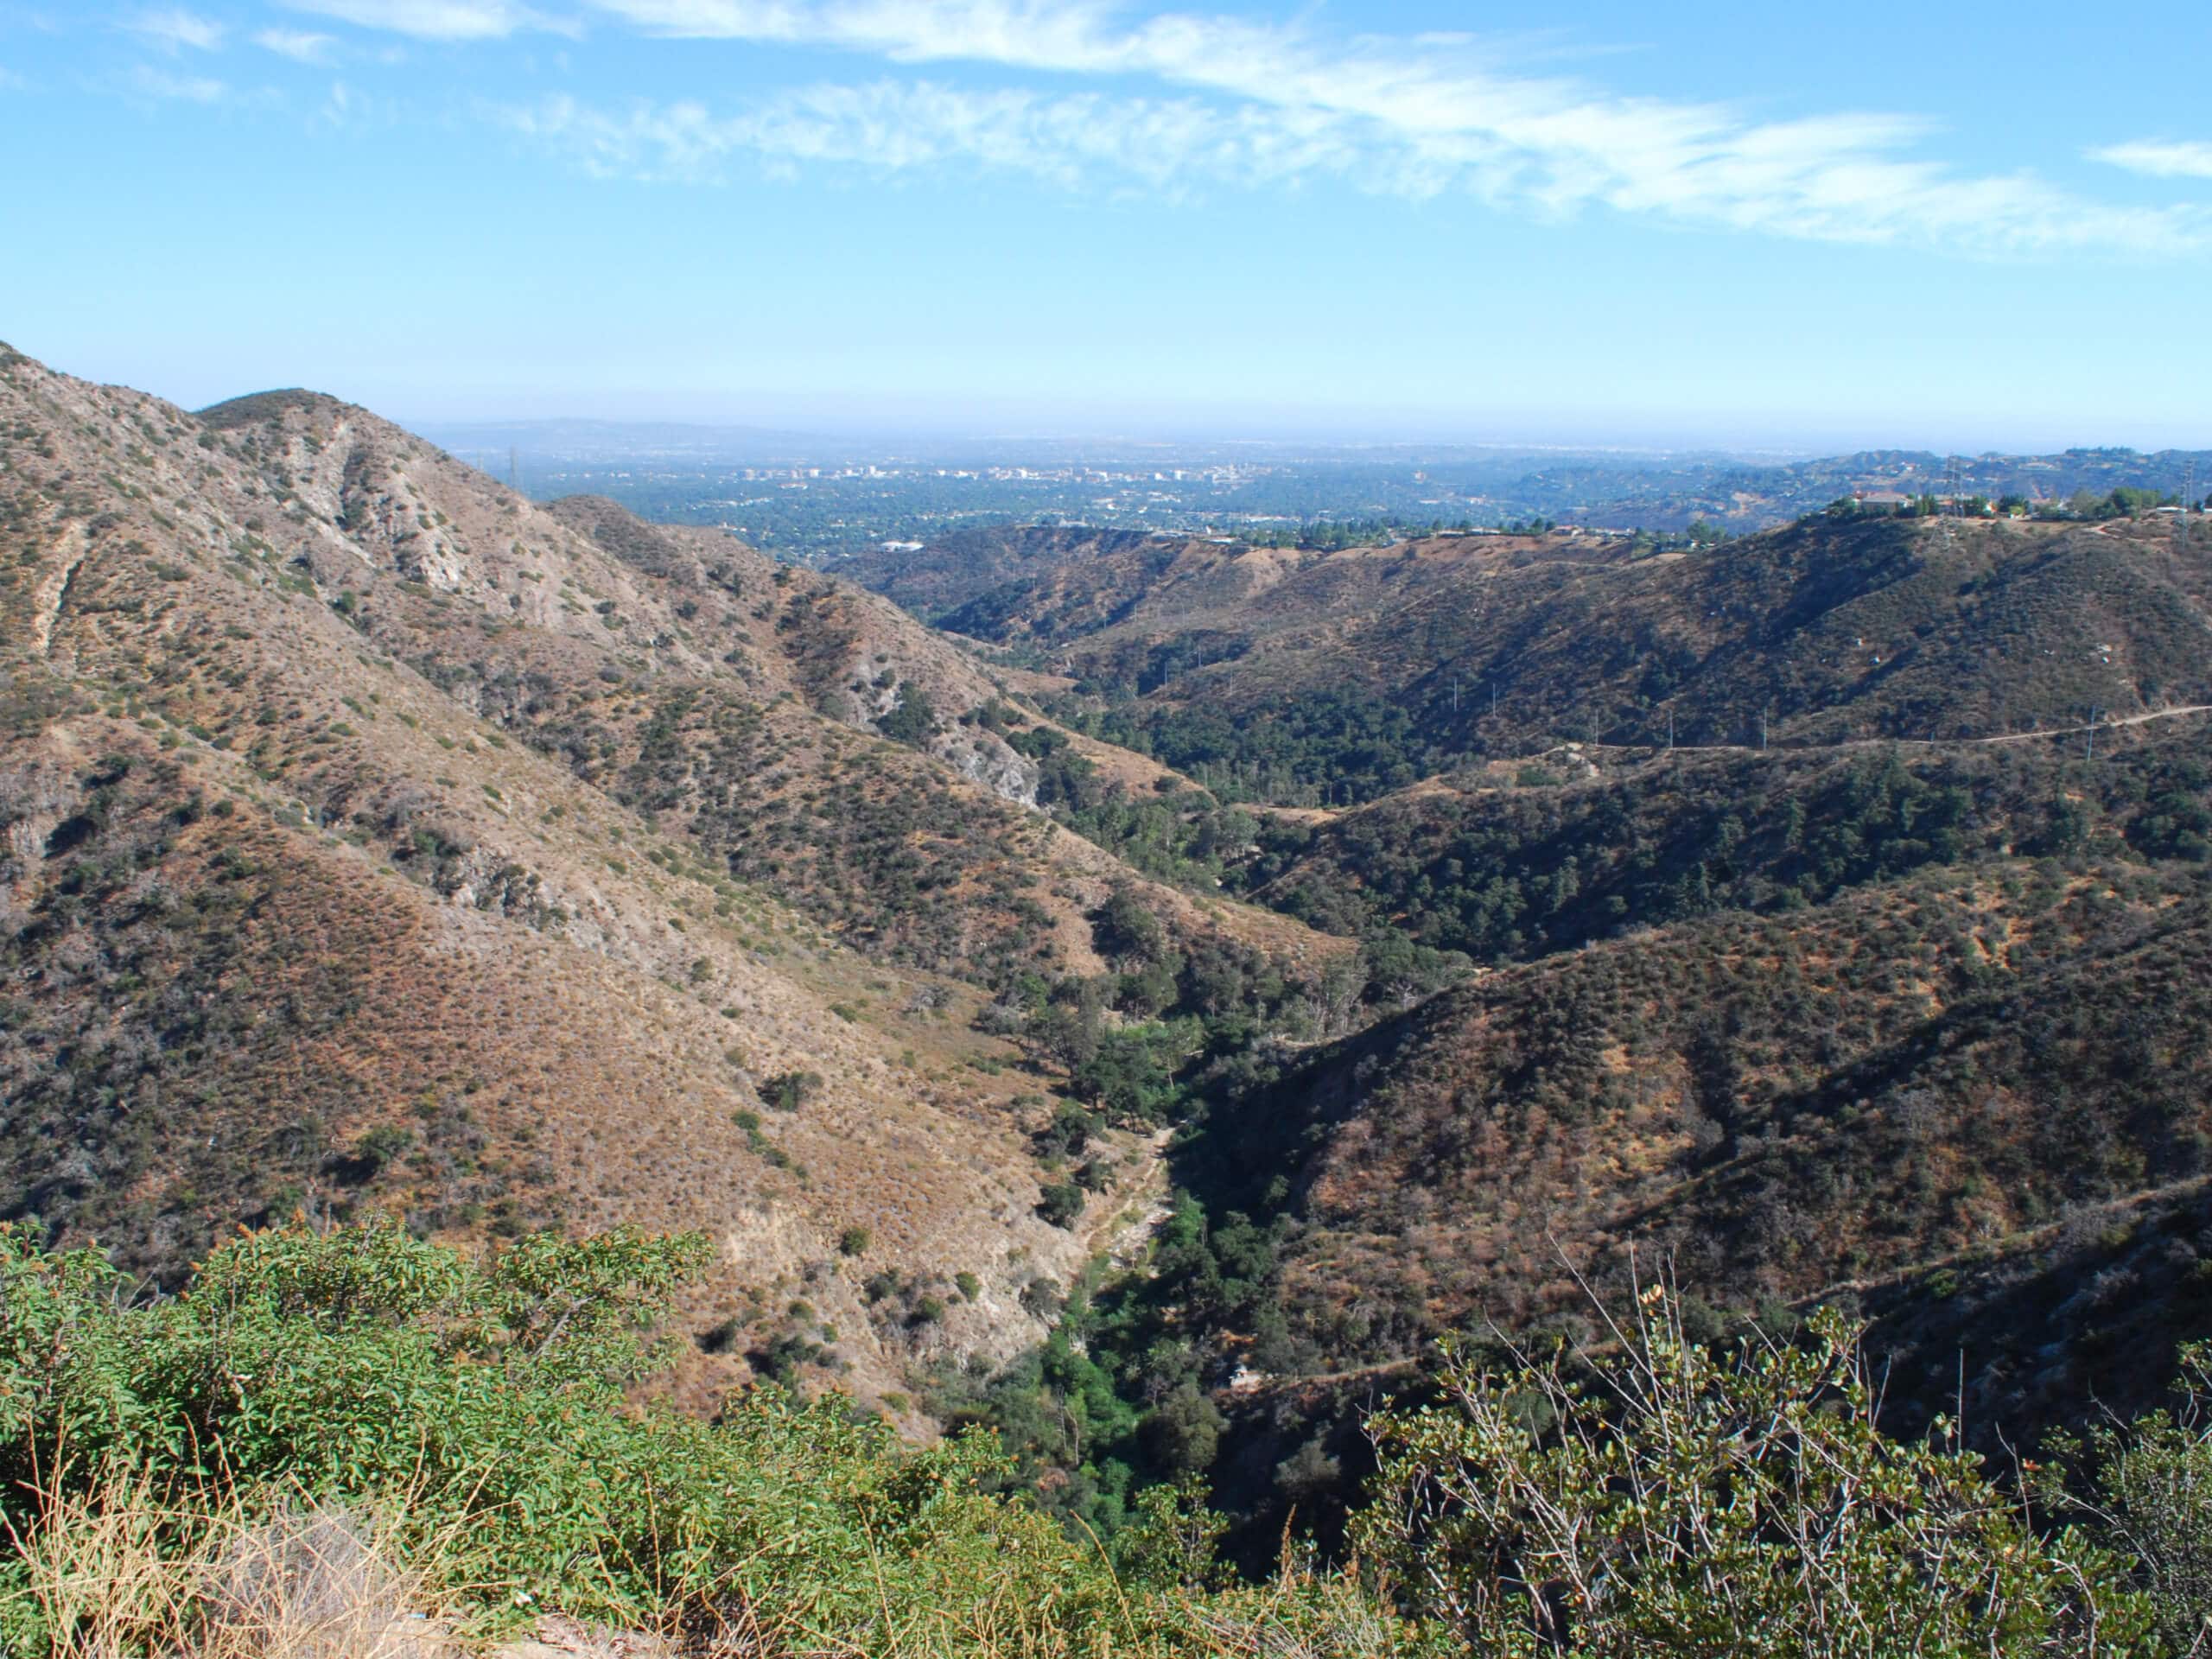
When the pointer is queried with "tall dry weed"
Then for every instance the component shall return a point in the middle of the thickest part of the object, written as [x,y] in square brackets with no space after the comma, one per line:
[121,1571]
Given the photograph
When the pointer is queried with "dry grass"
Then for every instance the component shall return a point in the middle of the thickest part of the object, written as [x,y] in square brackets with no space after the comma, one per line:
[121,1570]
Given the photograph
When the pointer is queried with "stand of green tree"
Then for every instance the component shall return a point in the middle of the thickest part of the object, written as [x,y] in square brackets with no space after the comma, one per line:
[1331,747]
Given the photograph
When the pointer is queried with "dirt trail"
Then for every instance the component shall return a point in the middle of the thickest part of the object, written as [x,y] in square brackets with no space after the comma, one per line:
[1323,814]
[1142,1204]
[2026,1238]
[2143,718]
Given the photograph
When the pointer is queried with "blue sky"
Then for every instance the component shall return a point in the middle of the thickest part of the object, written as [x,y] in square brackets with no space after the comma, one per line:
[1965,224]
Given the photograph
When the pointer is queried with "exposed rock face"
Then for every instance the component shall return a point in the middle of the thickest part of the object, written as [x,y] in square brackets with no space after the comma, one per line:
[984,759]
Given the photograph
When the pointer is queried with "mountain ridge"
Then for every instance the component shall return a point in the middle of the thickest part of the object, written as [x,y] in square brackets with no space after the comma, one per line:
[379,701]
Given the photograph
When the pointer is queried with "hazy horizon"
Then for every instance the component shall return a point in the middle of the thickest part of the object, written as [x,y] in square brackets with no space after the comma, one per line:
[1314,438]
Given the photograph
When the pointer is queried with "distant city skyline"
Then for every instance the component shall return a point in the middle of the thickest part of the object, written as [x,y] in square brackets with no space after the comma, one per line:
[1739,229]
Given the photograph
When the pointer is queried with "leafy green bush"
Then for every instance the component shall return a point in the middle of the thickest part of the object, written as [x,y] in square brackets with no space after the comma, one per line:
[789,1090]
[480,1407]
[913,721]
[381,1146]
[1060,1203]
[1668,1499]
[1663,1498]
[2146,1490]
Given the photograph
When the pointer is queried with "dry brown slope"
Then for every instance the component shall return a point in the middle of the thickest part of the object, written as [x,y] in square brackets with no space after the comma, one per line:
[699,682]
[319,890]
[1781,1102]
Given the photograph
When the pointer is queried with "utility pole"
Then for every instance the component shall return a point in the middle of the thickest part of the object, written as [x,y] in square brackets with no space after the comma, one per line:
[2094,713]
[514,471]
[1671,728]
[1762,713]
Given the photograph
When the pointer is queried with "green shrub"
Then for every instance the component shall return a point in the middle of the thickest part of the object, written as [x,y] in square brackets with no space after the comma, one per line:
[2145,1490]
[380,1147]
[478,1409]
[1671,1499]
[913,721]
[1060,1203]
[789,1090]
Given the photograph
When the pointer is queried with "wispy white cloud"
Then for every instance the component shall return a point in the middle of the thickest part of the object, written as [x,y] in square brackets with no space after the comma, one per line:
[173,30]
[1068,139]
[434,20]
[10,81]
[301,46]
[342,106]
[1238,99]
[149,82]
[2160,160]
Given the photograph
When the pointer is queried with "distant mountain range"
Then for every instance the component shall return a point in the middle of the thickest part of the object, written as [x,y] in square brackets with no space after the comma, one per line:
[580,441]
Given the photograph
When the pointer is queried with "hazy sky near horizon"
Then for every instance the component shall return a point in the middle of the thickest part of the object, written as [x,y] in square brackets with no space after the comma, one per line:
[1965,224]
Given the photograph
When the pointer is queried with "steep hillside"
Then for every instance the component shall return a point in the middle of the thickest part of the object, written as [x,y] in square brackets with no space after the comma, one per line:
[1921,1026]
[2062,1323]
[1304,675]
[1780,1103]
[370,838]
[1509,862]
[690,678]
